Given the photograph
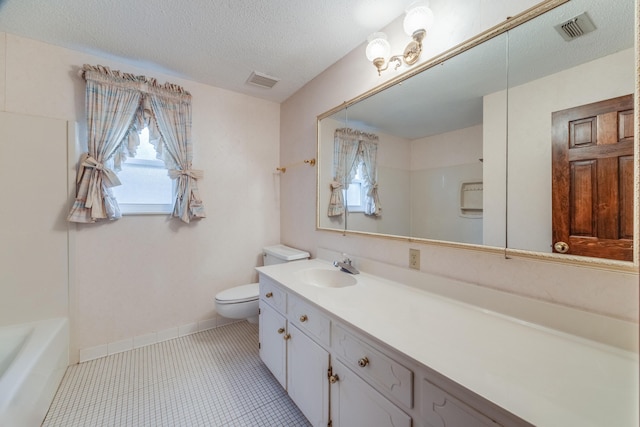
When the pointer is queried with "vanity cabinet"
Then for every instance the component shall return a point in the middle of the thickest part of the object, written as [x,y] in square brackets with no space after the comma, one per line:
[307,367]
[341,377]
[439,408]
[295,344]
[444,403]
[355,403]
[297,361]
[273,346]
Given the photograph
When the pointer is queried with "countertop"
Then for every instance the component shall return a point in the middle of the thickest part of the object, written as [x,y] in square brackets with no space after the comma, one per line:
[545,376]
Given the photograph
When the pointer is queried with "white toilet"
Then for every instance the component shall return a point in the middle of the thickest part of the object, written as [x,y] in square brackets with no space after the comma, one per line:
[241,302]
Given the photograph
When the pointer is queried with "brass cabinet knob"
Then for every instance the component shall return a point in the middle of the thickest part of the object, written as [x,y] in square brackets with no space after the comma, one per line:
[286,336]
[561,247]
[269,294]
[281,331]
[363,362]
[303,318]
[334,378]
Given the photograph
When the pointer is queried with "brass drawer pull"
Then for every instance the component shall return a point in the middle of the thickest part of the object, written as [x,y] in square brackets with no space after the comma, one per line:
[363,362]
[286,336]
[281,331]
[303,318]
[269,294]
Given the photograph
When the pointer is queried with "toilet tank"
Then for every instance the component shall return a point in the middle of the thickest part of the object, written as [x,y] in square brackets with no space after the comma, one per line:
[279,254]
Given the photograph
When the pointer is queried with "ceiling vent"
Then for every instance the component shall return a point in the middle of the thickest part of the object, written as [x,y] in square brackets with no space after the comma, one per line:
[576,27]
[262,80]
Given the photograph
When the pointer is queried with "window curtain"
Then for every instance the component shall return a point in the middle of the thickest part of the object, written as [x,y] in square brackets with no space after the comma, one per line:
[349,149]
[172,112]
[111,105]
[345,152]
[118,106]
[369,153]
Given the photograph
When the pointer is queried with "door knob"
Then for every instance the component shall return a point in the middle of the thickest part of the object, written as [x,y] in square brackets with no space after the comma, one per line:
[281,331]
[334,378]
[269,294]
[286,336]
[561,247]
[303,318]
[363,362]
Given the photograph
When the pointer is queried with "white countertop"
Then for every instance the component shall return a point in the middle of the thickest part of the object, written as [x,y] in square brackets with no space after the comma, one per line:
[544,376]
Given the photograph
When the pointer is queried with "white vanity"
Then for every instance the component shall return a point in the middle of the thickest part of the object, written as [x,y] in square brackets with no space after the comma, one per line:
[363,350]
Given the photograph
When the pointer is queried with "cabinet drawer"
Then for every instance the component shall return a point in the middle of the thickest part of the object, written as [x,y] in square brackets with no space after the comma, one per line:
[309,319]
[440,408]
[387,375]
[273,294]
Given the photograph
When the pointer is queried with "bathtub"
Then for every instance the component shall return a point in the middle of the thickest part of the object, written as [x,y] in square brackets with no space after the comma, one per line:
[33,359]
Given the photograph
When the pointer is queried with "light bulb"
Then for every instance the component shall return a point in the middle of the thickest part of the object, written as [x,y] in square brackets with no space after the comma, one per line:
[418,17]
[378,46]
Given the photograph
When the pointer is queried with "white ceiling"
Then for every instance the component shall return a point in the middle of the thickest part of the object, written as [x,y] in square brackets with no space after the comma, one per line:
[217,42]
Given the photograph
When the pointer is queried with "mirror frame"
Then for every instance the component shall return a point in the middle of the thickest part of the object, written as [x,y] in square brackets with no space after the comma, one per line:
[497,30]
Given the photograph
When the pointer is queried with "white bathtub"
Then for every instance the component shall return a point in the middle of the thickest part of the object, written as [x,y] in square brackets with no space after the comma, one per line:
[33,359]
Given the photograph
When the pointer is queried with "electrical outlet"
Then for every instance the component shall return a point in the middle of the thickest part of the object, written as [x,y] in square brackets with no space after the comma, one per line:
[414,259]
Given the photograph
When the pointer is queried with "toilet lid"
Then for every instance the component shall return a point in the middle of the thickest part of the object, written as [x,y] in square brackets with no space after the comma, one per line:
[238,294]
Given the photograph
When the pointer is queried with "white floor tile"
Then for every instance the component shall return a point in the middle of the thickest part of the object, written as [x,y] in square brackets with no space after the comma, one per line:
[211,378]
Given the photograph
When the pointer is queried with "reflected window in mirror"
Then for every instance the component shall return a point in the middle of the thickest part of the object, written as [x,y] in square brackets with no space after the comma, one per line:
[354,195]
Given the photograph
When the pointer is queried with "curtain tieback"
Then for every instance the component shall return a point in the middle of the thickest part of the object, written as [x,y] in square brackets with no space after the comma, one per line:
[335,185]
[372,189]
[109,177]
[193,173]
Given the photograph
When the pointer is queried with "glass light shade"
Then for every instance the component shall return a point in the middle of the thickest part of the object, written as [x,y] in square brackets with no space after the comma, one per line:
[418,17]
[378,46]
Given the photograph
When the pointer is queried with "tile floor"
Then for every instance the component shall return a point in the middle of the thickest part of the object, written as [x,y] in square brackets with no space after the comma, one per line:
[212,378]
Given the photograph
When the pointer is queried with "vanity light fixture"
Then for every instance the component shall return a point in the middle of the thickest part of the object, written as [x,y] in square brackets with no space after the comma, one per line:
[417,19]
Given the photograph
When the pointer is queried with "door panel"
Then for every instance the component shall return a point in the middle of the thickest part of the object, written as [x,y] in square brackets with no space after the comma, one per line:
[592,182]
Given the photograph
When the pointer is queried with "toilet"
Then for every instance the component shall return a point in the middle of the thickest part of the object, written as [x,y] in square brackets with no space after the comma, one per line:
[241,302]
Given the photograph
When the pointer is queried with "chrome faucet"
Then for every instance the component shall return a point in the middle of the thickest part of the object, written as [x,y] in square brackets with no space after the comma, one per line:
[346,266]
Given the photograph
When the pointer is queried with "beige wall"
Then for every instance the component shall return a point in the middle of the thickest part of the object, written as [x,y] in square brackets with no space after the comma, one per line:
[33,253]
[611,293]
[142,274]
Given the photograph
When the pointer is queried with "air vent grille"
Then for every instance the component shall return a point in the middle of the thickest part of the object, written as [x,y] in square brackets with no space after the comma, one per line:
[575,27]
[262,80]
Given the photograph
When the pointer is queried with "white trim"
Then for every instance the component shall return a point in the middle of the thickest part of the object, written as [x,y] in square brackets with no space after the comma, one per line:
[145,209]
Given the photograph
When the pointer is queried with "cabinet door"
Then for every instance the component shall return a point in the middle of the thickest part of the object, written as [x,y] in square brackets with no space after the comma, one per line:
[272,343]
[308,385]
[355,403]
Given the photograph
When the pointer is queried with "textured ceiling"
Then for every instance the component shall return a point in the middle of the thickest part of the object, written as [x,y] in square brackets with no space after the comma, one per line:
[217,42]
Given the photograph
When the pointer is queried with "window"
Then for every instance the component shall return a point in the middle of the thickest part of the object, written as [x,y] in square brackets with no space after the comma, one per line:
[354,195]
[146,187]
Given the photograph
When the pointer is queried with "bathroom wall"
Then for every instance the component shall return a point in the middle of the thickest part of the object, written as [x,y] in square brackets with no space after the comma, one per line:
[601,291]
[143,275]
[33,254]
[439,165]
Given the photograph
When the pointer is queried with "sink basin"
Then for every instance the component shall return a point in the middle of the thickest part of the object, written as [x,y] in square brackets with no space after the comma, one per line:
[325,278]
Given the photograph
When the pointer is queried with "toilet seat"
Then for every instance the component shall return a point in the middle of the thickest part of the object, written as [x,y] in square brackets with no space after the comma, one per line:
[239,294]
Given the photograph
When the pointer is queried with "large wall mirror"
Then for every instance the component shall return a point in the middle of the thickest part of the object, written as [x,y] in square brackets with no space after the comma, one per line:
[469,149]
